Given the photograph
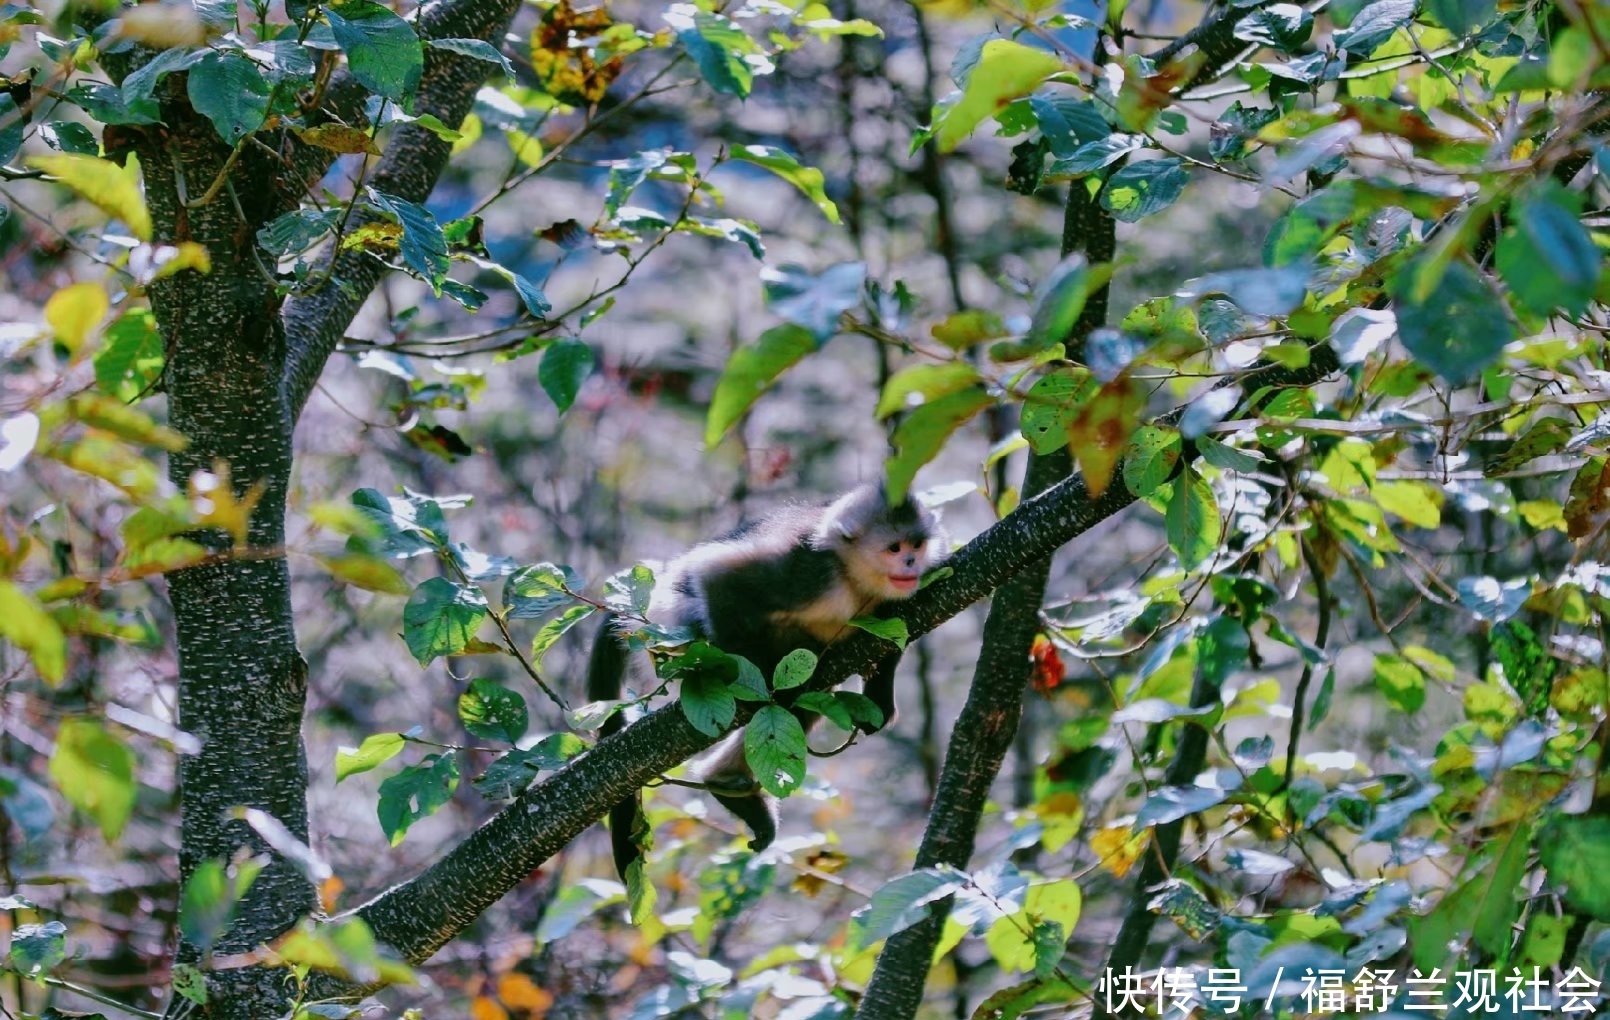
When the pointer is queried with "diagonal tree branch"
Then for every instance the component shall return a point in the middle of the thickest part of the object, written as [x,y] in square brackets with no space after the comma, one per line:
[421,915]
[409,170]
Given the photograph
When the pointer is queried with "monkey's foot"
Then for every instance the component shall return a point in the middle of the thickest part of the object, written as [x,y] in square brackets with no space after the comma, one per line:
[755,809]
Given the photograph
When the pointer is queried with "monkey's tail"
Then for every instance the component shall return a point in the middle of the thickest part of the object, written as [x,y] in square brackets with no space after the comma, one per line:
[606,674]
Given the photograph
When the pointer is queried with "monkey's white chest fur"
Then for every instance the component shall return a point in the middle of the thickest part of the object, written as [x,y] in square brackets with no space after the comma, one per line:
[824,618]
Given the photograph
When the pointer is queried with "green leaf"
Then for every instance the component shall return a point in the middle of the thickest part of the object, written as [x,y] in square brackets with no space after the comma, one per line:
[535,591]
[750,372]
[94,771]
[1459,328]
[774,746]
[928,381]
[376,750]
[902,902]
[383,51]
[139,86]
[131,359]
[921,434]
[893,629]
[63,136]
[230,91]
[424,247]
[1004,71]
[414,793]
[1549,260]
[515,771]
[441,617]
[1095,154]
[707,703]
[862,710]
[629,591]
[565,365]
[475,49]
[407,526]
[1373,25]
[209,897]
[27,626]
[1192,520]
[1141,189]
[555,629]
[1576,851]
[36,949]
[1401,681]
[1154,452]
[795,668]
[493,712]
[1053,404]
[1461,16]
[296,231]
[807,179]
[824,704]
[573,903]
[718,47]
[1059,300]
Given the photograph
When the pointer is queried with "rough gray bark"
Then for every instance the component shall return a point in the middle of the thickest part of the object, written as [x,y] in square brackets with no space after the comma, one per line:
[988,722]
[235,388]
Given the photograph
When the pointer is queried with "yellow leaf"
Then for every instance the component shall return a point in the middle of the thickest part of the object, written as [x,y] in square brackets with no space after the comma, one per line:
[1119,848]
[74,311]
[161,556]
[483,1008]
[104,183]
[123,421]
[339,138]
[30,628]
[367,572]
[519,992]
[170,259]
[213,499]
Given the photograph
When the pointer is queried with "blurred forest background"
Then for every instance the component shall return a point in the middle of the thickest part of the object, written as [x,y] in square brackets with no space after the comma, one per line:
[1398,545]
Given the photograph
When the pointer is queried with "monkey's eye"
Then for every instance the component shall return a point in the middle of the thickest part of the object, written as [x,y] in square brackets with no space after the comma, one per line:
[893,547]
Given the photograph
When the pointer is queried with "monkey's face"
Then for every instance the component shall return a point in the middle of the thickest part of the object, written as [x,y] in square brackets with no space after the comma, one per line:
[893,565]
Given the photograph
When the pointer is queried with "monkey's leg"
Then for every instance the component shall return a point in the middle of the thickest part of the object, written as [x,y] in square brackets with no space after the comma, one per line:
[733,785]
[606,672]
[880,688]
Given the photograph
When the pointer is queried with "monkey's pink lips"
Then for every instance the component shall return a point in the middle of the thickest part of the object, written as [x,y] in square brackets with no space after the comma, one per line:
[904,582]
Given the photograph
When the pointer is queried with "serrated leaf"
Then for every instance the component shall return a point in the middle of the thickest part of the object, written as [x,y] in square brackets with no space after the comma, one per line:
[565,365]
[383,51]
[707,703]
[441,618]
[1102,427]
[1576,852]
[774,746]
[376,750]
[230,91]
[94,772]
[1549,259]
[1459,328]
[493,712]
[750,371]
[1052,405]
[423,246]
